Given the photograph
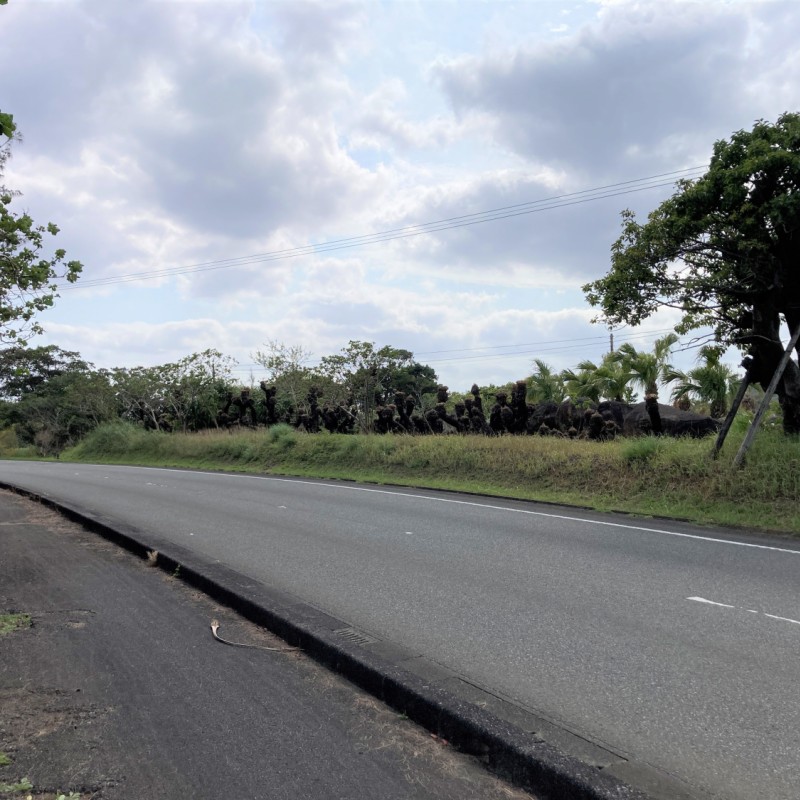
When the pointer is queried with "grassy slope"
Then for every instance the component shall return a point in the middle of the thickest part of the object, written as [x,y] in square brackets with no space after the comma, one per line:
[648,476]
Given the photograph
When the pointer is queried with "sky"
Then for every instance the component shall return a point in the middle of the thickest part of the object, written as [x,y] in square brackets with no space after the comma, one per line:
[214,166]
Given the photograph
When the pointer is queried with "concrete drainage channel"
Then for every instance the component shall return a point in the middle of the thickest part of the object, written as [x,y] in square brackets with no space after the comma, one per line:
[516,745]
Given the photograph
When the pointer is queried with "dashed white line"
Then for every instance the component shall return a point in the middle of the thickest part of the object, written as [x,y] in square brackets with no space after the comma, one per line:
[709,602]
[740,608]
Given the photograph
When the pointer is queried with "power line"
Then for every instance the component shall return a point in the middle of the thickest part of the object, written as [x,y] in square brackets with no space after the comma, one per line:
[541,348]
[450,223]
[562,345]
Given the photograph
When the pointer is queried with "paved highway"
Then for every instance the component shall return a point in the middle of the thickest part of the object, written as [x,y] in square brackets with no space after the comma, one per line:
[675,646]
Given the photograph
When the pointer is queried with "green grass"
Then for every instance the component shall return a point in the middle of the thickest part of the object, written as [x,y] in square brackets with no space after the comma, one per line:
[13,622]
[648,476]
[5,759]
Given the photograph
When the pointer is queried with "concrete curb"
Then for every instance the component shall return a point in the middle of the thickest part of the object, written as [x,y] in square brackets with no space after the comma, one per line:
[403,680]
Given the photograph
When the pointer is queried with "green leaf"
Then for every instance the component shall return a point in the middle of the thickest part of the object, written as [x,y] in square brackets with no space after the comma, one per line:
[7,126]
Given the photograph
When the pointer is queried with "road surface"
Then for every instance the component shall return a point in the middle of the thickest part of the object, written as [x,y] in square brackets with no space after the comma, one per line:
[677,647]
[119,691]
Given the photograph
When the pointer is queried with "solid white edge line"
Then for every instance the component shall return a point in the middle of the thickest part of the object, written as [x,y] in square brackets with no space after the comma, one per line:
[564,517]
[782,619]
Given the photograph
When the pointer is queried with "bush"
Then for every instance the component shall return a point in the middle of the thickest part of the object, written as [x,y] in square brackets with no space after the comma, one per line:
[8,442]
[113,439]
[283,436]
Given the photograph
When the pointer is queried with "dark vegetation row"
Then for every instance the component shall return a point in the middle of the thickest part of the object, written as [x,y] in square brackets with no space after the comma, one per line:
[511,413]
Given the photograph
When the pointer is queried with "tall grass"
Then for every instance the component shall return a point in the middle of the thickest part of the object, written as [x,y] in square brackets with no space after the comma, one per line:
[651,476]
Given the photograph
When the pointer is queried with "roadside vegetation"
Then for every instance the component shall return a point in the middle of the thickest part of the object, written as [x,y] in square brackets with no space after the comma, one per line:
[654,476]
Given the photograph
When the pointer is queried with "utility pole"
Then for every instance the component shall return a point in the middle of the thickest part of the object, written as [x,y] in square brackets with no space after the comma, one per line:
[611,341]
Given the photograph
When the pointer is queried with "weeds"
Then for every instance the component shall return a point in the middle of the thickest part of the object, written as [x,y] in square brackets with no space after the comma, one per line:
[14,622]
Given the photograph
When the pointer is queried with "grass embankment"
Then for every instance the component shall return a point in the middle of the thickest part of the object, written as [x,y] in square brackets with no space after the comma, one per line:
[647,476]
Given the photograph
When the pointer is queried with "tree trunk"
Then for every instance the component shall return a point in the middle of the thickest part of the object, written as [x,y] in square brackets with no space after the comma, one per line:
[651,405]
[767,351]
[791,414]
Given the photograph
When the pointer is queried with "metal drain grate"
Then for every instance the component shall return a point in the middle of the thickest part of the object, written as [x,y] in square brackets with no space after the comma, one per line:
[355,636]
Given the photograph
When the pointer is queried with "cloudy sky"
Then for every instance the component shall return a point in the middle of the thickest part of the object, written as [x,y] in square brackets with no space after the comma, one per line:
[214,165]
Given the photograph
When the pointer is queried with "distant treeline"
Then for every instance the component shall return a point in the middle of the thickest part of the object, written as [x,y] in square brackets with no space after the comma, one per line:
[51,397]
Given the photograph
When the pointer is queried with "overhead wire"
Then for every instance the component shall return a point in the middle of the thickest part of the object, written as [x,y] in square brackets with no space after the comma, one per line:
[561,345]
[464,220]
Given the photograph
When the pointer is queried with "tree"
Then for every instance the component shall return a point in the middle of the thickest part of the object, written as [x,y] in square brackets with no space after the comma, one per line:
[370,376]
[710,382]
[183,395]
[644,368]
[724,251]
[23,368]
[615,380]
[27,274]
[52,397]
[583,382]
[609,381]
[546,385]
[415,379]
[287,369]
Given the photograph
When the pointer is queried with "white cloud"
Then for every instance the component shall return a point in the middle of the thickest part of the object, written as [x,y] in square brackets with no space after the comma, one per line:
[606,100]
[160,135]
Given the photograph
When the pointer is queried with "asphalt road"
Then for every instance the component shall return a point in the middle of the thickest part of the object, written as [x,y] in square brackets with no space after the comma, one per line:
[678,647]
[118,691]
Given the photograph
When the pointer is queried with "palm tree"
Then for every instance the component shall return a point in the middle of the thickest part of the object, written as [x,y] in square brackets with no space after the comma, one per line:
[608,381]
[546,385]
[709,382]
[586,382]
[645,369]
[616,380]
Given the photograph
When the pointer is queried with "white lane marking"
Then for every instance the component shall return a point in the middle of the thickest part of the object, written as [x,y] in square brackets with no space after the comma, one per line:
[783,619]
[749,610]
[488,506]
[409,533]
[281,506]
[710,602]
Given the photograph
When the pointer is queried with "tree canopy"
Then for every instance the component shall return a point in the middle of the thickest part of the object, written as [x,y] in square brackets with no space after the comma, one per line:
[27,271]
[725,251]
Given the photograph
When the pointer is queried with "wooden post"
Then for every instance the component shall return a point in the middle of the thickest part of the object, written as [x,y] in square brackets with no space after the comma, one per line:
[748,439]
[726,426]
